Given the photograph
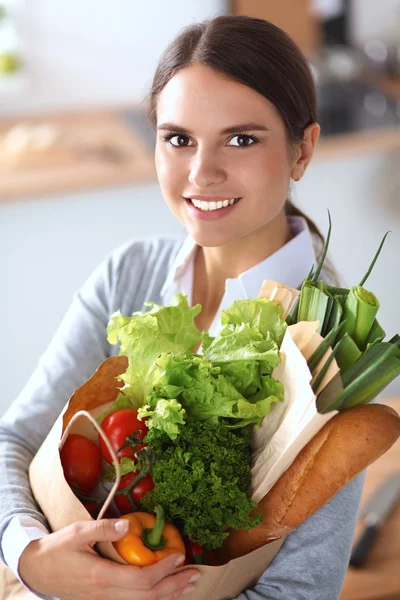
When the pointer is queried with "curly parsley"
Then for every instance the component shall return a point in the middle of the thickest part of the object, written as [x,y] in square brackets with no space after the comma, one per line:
[202,479]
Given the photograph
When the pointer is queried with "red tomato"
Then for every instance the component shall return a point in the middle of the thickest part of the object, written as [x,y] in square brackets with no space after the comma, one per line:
[119,425]
[137,492]
[82,463]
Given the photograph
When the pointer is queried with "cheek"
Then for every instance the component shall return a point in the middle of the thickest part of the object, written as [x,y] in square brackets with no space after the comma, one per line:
[168,172]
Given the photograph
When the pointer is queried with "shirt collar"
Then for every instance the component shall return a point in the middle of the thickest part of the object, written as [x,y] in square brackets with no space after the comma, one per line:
[288,265]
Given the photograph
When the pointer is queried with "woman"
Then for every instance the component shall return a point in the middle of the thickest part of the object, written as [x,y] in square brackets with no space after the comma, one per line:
[233,104]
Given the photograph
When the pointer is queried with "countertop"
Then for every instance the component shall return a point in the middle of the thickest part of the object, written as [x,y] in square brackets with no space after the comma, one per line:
[379,579]
[106,148]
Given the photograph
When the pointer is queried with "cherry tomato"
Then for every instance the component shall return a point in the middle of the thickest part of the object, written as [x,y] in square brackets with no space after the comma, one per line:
[137,492]
[194,552]
[82,463]
[118,426]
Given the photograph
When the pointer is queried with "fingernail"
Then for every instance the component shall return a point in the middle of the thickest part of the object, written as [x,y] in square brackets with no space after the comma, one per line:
[122,526]
[194,578]
[187,589]
[179,560]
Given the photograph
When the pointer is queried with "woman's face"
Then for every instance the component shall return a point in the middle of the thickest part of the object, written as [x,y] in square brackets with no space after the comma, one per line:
[217,141]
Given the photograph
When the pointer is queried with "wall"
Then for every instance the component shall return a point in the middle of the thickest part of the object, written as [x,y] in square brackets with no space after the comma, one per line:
[48,247]
[95,52]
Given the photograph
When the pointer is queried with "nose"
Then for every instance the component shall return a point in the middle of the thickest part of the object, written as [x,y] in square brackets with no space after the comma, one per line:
[205,170]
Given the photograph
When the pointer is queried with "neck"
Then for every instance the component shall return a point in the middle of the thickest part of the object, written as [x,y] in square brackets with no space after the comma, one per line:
[216,264]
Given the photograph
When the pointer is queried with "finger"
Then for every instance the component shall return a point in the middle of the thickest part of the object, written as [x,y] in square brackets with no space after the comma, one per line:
[174,585]
[162,568]
[145,578]
[103,530]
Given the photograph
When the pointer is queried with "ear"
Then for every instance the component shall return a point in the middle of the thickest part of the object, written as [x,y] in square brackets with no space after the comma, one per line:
[305,151]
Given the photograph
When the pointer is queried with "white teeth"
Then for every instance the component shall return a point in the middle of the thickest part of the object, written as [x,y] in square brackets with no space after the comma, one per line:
[203,205]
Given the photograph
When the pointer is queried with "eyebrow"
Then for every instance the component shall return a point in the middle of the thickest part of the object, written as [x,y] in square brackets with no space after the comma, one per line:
[233,129]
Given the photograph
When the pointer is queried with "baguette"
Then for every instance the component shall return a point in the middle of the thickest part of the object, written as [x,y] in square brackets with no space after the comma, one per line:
[344,447]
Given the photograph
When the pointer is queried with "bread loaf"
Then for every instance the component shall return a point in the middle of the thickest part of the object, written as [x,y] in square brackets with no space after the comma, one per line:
[344,447]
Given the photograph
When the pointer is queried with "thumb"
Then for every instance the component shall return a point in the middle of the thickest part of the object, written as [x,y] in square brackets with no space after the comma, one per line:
[103,530]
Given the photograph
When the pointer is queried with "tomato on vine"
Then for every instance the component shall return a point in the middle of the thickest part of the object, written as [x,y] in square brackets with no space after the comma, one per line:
[125,432]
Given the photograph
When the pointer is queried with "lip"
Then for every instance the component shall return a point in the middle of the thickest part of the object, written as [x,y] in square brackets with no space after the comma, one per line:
[210,215]
[209,198]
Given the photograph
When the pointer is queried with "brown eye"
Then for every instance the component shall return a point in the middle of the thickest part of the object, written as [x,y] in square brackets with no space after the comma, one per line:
[180,140]
[244,140]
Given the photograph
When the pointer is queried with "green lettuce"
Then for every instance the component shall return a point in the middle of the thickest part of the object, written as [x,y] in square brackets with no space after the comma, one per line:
[145,335]
[194,383]
[229,384]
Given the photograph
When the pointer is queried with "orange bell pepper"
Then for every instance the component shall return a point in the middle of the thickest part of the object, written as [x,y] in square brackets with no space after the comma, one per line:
[149,539]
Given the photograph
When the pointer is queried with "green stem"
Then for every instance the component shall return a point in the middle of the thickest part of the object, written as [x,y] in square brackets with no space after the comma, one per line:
[367,274]
[153,538]
[321,262]
[145,470]
[131,441]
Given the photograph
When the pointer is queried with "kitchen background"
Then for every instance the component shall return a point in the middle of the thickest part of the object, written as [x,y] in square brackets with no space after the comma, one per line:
[76,161]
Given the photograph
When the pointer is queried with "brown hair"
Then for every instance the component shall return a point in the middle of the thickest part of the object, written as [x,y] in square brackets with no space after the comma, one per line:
[260,55]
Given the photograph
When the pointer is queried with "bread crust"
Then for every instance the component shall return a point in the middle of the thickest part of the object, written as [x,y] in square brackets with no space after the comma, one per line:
[345,446]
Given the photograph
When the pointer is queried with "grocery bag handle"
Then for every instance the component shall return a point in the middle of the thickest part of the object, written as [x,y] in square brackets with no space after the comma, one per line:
[85,413]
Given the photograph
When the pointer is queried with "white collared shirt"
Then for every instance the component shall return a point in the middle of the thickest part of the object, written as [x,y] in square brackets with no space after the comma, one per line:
[289,265]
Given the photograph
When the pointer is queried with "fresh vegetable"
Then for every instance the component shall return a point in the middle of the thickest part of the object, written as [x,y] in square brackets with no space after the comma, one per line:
[149,539]
[125,433]
[133,488]
[195,554]
[231,382]
[348,323]
[146,335]
[192,387]
[82,463]
[202,479]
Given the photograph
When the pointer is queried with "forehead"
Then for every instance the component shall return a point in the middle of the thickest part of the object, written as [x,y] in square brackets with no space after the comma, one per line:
[198,94]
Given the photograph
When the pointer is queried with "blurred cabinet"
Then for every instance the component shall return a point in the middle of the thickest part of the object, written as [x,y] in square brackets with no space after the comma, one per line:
[294,17]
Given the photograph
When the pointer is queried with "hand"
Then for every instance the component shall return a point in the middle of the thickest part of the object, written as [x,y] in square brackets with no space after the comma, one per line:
[65,565]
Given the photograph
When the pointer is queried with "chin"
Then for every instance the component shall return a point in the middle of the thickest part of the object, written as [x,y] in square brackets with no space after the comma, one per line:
[212,239]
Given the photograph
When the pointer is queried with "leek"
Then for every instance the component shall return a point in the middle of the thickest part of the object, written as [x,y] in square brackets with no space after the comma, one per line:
[317,380]
[313,303]
[359,312]
[367,377]
[348,353]
[317,355]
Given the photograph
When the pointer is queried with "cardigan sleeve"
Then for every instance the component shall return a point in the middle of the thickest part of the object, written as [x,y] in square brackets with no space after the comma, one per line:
[311,563]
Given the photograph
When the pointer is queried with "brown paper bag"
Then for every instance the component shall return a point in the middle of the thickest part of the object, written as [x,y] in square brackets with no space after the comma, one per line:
[11,588]
[61,507]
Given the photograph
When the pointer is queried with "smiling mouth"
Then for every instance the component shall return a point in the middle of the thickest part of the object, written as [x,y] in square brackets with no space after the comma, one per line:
[210,205]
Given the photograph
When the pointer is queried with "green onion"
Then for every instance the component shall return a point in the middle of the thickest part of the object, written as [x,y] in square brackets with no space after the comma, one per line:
[368,273]
[325,250]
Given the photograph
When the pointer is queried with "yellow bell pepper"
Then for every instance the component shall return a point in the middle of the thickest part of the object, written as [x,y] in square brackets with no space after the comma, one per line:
[149,539]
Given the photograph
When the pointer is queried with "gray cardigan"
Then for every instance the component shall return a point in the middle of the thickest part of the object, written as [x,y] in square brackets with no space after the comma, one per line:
[312,562]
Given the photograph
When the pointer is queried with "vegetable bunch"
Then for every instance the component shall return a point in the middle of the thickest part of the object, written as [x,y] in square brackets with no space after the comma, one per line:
[199,408]
[348,324]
